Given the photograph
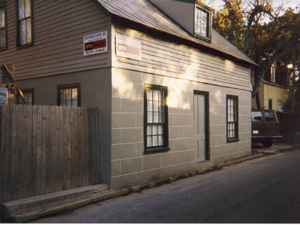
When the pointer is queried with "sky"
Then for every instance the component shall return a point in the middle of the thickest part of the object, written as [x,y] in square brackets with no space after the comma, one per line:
[216,4]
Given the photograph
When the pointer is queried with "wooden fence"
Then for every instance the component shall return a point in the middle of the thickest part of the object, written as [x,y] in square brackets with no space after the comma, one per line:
[45,149]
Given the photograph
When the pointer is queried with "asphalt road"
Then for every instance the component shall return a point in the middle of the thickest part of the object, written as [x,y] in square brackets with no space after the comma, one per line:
[264,190]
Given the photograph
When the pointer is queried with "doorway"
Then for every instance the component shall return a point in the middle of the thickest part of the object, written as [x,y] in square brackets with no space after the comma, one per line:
[201,126]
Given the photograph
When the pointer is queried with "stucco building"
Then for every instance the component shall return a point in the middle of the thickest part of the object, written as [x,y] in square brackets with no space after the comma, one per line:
[172,93]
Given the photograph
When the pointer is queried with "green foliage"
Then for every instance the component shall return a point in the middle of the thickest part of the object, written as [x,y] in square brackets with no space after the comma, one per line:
[241,23]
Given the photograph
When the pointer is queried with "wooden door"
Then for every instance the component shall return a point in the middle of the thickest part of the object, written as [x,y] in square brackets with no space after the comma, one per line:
[201,126]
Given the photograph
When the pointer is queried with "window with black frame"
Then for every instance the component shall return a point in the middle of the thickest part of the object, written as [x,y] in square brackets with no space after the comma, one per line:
[68,95]
[232,118]
[2,27]
[24,22]
[156,125]
[202,24]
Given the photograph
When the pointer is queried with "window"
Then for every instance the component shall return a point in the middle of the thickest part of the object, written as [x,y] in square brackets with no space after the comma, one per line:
[156,119]
[273,73]
[203,23]
[28,96]
[232,118]
[270,104]
[256,116]
[269,116]
[2,27]
[68,95]
[24,22]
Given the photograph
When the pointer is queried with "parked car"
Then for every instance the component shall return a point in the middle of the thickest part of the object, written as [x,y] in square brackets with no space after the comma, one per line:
[265,127]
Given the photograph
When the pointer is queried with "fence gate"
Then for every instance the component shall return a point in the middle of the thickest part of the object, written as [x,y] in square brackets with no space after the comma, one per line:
[44,149]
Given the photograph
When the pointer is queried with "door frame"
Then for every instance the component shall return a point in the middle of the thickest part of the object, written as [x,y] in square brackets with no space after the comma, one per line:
[207,130]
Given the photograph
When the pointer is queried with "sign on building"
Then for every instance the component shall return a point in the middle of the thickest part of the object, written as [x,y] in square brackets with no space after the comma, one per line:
[128,47]
[95,43]
[3,96]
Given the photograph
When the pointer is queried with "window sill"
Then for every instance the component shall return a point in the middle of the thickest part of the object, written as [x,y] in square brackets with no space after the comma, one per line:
[204,38]
[233,140]
[156,150]
[24,46]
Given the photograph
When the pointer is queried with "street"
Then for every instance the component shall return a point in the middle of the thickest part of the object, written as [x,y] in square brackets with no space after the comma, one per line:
[264,190]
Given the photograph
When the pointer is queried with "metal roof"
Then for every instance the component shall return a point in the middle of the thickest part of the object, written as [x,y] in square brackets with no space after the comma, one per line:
[144,12]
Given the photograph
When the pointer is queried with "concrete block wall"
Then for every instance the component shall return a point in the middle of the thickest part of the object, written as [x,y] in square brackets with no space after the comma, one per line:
[130,166]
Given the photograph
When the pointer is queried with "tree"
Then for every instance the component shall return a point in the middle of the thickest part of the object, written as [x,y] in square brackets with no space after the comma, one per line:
[241,23]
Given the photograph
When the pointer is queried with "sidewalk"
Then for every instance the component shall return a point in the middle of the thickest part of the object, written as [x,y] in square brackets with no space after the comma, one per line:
[274,149]
[28,209]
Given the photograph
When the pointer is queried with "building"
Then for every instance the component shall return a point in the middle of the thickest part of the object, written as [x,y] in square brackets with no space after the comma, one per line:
[173,94]
[274,89]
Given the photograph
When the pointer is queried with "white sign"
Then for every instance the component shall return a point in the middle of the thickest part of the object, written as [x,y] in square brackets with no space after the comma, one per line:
[128,47]
[95,43]
[3,96]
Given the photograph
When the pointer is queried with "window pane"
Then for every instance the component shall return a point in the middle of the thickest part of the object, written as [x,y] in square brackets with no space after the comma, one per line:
[149,141]
[28,31]
[256,116]
[155,117]
[150,117]
[160,140]
[155,140]
[269,116]
[149,106]
[68,94]
[21,9]
[22,32]
[160,129]
[74,93]
[154,130]
[149,94]
[2,18]
[155,106]
[149,130]
[27,8]
[2,38]
[155,95]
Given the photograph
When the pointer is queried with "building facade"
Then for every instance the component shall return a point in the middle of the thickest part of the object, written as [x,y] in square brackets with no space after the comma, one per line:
[173,95]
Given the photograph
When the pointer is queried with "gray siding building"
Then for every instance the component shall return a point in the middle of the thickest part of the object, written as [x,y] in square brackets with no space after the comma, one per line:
[173,95]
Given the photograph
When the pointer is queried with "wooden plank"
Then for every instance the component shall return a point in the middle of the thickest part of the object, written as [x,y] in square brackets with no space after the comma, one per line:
[85,146]
[17,153]
[59,154]
[40,151]
[26,153]
[54,147]
[69,147]
[8,178]
[80,169]
[65,149]
[48,159]
[34,149]
[93,139]
[74,147]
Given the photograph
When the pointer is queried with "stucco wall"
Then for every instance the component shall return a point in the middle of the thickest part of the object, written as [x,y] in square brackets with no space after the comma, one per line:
[130,166]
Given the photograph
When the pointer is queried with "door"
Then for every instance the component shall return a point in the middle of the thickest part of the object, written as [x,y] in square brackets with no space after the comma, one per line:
[201,122]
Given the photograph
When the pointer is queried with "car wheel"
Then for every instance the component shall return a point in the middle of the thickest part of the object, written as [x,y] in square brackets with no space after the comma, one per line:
[267,143]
